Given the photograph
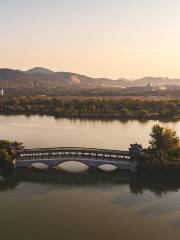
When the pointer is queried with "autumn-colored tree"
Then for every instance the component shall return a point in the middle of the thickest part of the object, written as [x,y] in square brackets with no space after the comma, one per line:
[164,139]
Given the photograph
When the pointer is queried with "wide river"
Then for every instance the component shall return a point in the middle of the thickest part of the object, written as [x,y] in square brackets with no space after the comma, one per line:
[92,205]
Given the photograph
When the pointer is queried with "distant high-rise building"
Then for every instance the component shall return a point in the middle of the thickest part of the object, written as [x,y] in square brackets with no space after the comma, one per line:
[2,92]
[149,85]
[6,84]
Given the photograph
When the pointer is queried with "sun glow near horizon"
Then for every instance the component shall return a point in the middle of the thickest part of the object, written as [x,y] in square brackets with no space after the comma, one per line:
[98,38]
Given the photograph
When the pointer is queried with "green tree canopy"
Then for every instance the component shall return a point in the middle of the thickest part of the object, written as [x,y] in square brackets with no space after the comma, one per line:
[4,144]
[164,139]
[4,156]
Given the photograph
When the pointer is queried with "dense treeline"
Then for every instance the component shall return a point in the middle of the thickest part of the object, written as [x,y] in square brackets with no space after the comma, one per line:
[92,107]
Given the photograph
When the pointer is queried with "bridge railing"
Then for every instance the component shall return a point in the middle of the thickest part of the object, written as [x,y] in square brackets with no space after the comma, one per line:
[71,151]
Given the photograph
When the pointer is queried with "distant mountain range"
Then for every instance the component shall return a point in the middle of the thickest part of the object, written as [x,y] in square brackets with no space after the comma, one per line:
[44,77]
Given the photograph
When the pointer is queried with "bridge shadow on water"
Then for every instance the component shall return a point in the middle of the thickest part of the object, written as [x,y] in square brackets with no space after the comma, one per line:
[136,184]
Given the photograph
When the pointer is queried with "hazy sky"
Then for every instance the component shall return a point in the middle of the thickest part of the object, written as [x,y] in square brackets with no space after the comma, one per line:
[107,38]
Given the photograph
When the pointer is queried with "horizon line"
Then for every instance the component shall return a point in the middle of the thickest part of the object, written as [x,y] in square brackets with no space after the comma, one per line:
[88,75]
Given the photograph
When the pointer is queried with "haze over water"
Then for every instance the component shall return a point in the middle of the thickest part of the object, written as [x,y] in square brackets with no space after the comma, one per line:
[104,38]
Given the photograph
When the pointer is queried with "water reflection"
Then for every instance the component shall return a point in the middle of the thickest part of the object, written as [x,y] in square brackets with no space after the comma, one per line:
[39,166]
[72,167]
[8,182]
[117,201]
[160,187]
[108,168]
[166,205]
[137,186]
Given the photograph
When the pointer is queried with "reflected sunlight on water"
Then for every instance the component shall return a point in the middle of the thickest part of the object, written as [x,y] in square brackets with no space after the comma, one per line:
[107,168]
[72,166]
[39,166]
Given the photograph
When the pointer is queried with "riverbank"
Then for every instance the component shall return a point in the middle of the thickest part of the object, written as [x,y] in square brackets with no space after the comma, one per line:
[93,108]
[94,117]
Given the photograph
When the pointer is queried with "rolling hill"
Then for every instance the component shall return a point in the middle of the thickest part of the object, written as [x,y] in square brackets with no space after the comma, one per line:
[44,77]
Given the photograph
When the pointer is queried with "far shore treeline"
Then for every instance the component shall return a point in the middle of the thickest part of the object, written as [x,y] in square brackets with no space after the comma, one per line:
[92,107]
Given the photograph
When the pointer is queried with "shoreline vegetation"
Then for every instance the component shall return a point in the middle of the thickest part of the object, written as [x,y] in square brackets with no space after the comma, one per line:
[7,154]
[92,108]
[162,157]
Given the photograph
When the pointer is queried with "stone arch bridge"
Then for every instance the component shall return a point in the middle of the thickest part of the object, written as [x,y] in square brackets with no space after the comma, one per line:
[92,157]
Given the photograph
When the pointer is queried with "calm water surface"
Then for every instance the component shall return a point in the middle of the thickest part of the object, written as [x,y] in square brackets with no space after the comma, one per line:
[92,205]
[50,132]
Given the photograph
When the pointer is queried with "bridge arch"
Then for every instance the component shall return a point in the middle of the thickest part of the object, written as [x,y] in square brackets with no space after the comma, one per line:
[108,167]
[73,166]
[45,158]
[39,166]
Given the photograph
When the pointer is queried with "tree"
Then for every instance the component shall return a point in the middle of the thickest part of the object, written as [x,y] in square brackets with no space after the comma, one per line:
[8,151]
[144,112]
[4,144]
[28,107]
[164,139]
[4,156]
[124,112]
